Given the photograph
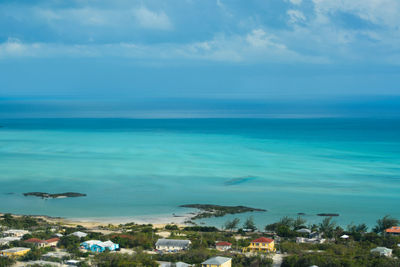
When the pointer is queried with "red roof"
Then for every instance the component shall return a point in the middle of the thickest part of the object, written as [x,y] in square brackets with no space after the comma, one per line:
[51,240]
[394,229]
[223,243]
[263,240]
[35,240]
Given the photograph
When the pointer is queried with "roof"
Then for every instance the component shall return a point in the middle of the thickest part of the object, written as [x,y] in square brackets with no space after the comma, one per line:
[16,231]
[35,240]
[79,234]
[381,250]
[217,260]
[56,254]
[263,240]
[99,243]
[344,236]
[394,229]
[304,230]
[42,263]
[177,264]
[173,242]
[223,243]
[51,240]
[16,249]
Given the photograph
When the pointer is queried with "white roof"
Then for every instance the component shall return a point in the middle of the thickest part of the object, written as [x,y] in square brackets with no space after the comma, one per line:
[44,263]
[173,242]
[344,236]
[9,239]
[304,230]
[72,261]
[216,260]
[16,231]
[56,254]
[79,234]
[381,250]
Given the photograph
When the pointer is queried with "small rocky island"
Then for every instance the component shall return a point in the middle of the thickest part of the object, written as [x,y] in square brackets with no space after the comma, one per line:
[59,195]
[328,214]
[208,210]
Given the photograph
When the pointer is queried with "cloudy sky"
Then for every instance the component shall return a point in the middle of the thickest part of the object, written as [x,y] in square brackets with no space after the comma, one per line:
[58,53]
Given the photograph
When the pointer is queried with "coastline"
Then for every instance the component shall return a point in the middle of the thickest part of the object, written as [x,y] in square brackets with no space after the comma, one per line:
[94,223]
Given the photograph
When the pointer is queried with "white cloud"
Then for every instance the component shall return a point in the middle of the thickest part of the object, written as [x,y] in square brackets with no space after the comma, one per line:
[295,16]
[152,20]
[296,2]
[256,46]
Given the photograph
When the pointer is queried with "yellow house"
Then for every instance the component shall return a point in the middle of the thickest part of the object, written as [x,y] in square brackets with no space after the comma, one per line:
[14,252]
[261,244]
[217,262]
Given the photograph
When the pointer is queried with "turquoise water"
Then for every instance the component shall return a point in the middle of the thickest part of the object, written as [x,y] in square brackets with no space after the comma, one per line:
[139,168]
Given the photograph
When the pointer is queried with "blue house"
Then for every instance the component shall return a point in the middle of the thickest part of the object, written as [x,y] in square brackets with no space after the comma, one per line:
[99,246]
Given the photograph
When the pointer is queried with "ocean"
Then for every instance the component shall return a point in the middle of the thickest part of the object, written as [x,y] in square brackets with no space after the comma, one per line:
[142,169]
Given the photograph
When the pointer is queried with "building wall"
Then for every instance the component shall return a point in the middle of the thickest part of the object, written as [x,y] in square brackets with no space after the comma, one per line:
[15,254]
[261,246]
[226,264]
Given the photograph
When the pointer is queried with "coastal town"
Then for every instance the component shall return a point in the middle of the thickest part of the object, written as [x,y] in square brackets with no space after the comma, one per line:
[45,241]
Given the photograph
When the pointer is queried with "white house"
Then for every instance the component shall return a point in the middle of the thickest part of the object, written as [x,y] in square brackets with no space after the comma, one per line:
[382,251]
[15,232]
[8,239]
[79,234]
[223,246]
[172,244]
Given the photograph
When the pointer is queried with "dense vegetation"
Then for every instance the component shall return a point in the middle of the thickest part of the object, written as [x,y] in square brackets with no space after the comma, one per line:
[140,239]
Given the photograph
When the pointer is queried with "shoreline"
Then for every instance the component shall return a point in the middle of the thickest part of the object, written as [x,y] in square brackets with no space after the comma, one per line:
[95,222]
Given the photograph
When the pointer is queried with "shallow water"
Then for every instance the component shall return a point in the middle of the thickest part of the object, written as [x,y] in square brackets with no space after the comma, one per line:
[142,168]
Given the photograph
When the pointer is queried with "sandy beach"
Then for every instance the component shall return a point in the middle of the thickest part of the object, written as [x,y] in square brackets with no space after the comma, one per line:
[96,223]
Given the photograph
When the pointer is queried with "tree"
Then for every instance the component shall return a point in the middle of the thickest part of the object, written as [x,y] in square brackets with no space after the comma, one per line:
[327,226]
[299,223]
[286,221]
[249,224]
[231,225]
[385,223]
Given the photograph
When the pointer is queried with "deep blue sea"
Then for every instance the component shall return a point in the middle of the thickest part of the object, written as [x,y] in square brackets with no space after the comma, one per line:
[131,168]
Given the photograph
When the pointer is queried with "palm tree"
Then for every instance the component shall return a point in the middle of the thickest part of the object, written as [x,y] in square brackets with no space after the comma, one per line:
[385,223]
[327,226]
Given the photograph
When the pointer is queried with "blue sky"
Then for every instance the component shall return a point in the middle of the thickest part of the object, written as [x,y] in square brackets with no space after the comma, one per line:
[296,51]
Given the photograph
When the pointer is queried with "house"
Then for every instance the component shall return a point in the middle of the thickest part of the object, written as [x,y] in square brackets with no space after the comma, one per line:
[395,230]
[52,242]
[223,246]
[15,232]
[310,240]
[313,238]
[172,245]
[56,254]
[37,242]
[72,263]
[8,239]
[99,246]
[43,263]
[14,252]
[304,231]
[382,251]
[217,262]
[261,244]
[79,234]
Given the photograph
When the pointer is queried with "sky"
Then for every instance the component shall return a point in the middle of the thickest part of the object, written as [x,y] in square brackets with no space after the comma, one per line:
[199,58]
